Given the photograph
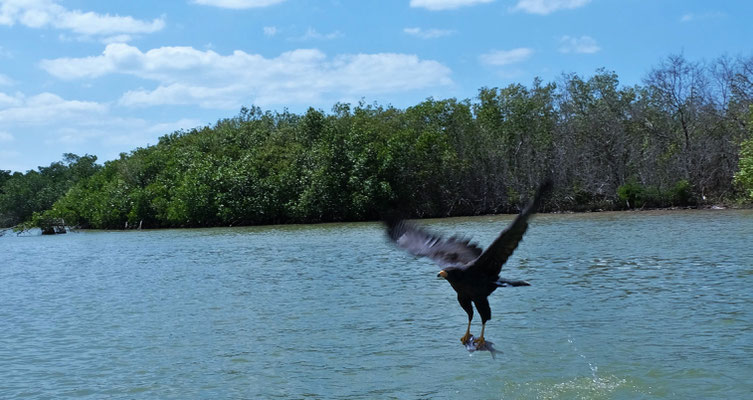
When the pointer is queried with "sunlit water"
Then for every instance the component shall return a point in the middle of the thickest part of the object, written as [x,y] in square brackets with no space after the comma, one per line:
[623,305]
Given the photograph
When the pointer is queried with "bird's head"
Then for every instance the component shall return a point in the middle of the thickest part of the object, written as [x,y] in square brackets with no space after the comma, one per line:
[449,273]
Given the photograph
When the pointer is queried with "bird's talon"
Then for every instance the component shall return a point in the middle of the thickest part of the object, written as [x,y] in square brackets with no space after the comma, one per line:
[480,342]
[466,338]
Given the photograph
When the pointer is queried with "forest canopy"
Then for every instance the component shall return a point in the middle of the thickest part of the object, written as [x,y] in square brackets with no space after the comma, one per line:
[682,138]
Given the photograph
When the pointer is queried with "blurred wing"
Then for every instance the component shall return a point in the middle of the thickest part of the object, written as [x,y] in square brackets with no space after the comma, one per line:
[445,252]
[501,249]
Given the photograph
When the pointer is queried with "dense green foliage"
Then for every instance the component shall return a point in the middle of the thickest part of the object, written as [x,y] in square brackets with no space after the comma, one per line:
[744,176]
[674,141]
[21,195]
[633,194]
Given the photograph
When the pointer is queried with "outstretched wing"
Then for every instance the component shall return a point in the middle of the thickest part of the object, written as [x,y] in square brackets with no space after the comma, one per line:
[454,251]
[491,261]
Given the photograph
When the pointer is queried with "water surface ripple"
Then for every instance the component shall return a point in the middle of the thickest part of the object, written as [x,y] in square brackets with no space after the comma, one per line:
[623,305]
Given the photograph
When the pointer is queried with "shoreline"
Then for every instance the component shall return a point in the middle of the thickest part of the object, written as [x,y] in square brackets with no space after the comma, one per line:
[704,207]
[714,207]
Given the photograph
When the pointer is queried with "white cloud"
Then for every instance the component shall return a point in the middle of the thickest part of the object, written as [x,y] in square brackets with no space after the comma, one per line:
[692,17]
[5,81]
[313,34]
[238,4]
[44,109]
[506,57]
[436,5]
[122,133]
[544,7]
[8,100]
[428,33]
[116,39]
[270,30]
[37,129]
[123,38]
[43,13]
[582,45]
[183,94]
[189,76]
[94,24]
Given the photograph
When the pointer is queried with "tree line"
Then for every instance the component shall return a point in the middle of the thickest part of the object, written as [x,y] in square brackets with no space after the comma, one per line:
[681,138]
[21,195]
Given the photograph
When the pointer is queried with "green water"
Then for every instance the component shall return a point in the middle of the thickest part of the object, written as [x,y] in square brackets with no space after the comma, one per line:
[623,305]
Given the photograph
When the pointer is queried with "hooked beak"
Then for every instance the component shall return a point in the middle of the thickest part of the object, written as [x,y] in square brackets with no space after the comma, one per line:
[442,274]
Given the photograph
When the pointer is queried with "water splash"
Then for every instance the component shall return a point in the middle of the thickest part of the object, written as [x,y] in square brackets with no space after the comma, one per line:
[598,381]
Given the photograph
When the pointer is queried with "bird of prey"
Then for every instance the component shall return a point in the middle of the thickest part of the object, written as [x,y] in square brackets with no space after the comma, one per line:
[471,271]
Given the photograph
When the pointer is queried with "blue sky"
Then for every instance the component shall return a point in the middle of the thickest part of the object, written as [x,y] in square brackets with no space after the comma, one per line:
[105,77]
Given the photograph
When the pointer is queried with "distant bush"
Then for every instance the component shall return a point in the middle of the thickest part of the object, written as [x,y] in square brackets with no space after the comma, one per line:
[681,194]
[636,195]
[631,193]
[744,177]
